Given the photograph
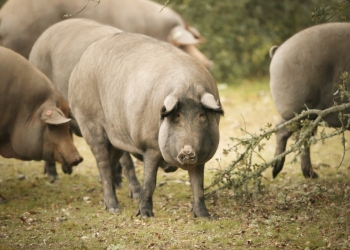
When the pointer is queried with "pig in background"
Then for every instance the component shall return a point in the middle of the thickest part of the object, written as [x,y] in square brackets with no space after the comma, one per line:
[35,126]
[55,53]
[303,73]
[172,118]
[22,22]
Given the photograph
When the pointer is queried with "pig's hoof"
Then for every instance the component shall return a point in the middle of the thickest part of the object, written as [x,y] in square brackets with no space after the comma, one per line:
[135,192]
[52,178]
[276,168]
[202,215]
[310,173]
[201,212]
[145,213]
[2,199]
[134,195]
[118,185]
[118,182]
[114,210]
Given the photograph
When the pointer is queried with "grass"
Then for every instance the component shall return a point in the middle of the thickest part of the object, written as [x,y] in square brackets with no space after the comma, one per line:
[293,213]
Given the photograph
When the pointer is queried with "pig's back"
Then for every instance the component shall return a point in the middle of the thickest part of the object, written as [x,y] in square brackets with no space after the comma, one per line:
[60,47]
[22,88]
[128,77]
[136,16]
[304,69]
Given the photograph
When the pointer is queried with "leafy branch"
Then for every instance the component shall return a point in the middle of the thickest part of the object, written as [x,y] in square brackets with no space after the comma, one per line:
[324,14]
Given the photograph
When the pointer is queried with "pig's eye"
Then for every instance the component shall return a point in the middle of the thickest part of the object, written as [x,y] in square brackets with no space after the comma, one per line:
[177,116]
[202,116]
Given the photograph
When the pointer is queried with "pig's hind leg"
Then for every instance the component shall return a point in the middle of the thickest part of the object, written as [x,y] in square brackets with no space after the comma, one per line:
[129,171]
[104,152]
[282,137]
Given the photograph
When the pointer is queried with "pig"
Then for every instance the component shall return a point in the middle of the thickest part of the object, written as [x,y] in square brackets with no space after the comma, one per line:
[55,53]
[34,123]
[22,22]
[303,73]
[133,93]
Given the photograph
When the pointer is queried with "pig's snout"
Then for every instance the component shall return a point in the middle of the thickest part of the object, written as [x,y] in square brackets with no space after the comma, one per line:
[67,167]
[76,160]
[187,156]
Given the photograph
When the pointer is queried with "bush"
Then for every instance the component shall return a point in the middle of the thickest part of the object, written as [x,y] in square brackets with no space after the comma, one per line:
[240,33]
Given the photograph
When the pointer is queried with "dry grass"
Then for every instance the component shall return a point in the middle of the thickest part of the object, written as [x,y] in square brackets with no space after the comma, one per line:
[294,213]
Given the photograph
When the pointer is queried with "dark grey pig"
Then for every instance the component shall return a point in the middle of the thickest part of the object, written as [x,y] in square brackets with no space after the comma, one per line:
[303,73]
[55,53]
[34,123]
[134,93]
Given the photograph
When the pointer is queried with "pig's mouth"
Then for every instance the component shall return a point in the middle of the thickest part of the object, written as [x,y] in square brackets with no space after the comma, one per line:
[67,168]
[169,169]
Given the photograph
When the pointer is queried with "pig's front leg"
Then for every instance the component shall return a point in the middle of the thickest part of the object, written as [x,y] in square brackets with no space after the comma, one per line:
[197,178]
[50,170]
[149,185]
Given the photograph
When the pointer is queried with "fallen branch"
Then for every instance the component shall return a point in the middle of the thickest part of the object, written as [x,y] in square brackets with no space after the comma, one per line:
[224,179]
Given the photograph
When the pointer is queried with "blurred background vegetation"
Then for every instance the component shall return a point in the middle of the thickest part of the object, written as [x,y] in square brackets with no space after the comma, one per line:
[240,33]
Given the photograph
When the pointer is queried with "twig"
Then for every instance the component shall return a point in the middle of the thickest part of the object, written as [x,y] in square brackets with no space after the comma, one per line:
[164,5]
[88,1]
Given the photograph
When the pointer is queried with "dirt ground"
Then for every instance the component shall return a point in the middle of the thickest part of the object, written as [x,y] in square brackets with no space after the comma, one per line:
[293,213]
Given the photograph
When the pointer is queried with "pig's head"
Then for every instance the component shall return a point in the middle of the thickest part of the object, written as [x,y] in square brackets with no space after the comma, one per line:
[45,136]
[188,39]
[189,130]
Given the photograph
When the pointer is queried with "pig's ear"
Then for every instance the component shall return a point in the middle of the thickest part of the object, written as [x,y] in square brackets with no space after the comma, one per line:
[54,116]
[179,36]
[209,102]
[196,34]
[169,105]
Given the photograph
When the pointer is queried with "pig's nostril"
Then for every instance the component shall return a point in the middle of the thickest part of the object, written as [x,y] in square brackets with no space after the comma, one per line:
[187,156]
[77,161]
[80,160]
